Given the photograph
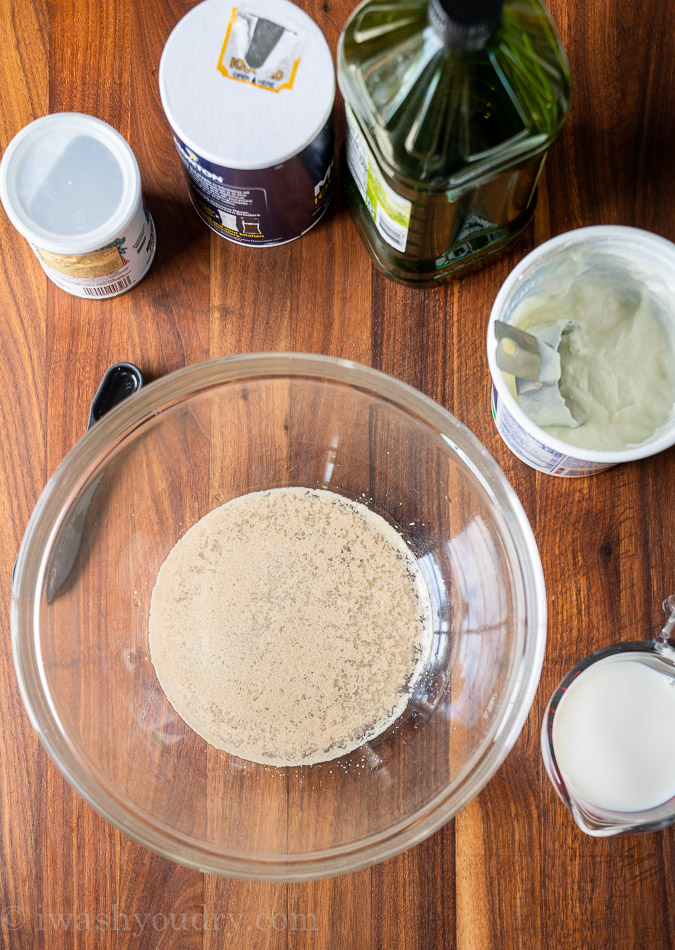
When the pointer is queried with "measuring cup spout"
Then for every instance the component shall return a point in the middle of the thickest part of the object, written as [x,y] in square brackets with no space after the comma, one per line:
[668,630]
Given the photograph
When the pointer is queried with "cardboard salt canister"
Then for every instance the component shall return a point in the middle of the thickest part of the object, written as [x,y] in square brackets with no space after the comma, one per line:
[70,185]
[248,91]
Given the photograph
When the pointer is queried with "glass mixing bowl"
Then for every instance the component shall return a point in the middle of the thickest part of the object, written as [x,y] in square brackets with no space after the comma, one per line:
[160,461]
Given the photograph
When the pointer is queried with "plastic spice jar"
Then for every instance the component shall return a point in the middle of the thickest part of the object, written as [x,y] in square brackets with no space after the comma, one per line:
[70,185]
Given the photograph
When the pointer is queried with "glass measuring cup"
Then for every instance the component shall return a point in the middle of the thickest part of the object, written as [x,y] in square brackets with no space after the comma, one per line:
[593,818]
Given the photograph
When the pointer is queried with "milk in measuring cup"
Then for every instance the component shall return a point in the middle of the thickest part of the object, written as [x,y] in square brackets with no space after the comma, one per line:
[613,738]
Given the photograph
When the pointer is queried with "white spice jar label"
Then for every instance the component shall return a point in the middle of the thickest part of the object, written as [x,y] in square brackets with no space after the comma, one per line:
[106,271]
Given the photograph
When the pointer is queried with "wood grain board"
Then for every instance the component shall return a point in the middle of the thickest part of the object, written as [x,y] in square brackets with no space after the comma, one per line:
[512,870]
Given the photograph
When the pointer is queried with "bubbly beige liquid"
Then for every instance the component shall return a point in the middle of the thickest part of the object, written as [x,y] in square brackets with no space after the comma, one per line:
[289,626]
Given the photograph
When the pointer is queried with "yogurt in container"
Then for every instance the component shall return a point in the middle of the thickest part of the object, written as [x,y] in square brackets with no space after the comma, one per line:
[613,290]
[248,91]
[70,185]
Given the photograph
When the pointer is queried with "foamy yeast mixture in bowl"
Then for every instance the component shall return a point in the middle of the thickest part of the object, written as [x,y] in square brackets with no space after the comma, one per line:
[303,625]
[290,626]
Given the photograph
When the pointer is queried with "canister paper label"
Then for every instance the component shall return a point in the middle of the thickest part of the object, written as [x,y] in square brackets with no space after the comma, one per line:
[260,52]
[263,206]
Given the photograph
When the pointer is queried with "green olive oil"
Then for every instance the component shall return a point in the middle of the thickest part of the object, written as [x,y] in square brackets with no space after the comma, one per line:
[451,107]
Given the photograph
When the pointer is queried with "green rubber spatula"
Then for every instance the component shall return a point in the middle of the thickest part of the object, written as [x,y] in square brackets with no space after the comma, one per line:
[534,360]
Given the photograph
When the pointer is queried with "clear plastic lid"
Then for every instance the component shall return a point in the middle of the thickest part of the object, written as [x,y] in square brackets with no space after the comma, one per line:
[247,86]
[69,183]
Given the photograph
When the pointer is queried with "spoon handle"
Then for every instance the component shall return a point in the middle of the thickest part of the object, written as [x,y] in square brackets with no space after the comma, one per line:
[526,356]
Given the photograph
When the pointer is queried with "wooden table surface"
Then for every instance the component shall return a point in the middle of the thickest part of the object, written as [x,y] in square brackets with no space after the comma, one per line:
[511,870]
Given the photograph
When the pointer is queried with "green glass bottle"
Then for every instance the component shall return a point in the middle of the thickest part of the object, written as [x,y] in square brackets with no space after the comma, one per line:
[451,107]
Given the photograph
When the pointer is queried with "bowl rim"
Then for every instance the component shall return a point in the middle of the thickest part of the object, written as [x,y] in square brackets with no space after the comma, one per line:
[73,474]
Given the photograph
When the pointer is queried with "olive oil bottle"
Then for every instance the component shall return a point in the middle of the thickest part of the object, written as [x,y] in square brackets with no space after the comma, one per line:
[451,107]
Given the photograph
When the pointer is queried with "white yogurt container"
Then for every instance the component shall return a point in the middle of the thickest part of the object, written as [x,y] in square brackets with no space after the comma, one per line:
[639,255]
[70,185]
[248,91]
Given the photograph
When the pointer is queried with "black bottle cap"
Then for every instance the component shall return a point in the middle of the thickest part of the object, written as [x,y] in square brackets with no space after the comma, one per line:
[473,12]
[465,24]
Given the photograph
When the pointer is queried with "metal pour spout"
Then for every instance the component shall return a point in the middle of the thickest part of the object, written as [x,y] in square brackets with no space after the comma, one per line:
[668,631]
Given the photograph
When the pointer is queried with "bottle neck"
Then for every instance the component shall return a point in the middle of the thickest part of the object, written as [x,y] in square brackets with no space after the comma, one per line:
[464,36]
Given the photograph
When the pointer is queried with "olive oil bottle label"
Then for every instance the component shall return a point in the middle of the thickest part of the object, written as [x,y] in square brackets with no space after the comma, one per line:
[389,211]
[260,52]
